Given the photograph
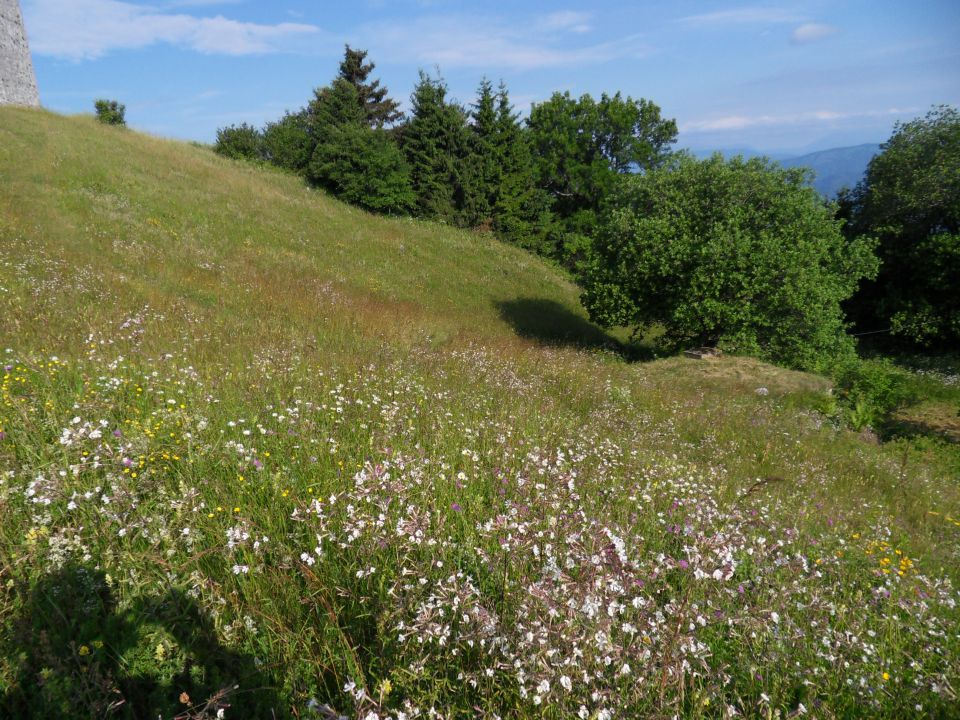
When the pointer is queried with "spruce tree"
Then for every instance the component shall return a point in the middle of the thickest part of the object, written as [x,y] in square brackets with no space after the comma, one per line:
[379,109]
[334,105]
[434,143]
[482,182]
[354,161]
[521,210]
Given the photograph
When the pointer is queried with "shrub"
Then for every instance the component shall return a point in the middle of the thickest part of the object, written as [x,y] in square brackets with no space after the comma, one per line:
[871,390]
[110,112]
[240,142]
[287,143]
[739,254]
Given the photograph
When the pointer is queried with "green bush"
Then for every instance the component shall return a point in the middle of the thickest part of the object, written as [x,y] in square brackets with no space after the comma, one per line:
[240,142]
[869,391]
[110,112]
[287,142]
[741,254]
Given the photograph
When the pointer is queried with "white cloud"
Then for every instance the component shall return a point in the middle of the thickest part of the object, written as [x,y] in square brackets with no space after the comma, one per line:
[87,29]
[578,22]
[743,16]
[482,42]
[743,122]
[810,32]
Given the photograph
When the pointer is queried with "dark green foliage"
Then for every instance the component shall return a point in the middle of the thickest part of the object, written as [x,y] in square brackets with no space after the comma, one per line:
[357,163]
[378,108]
[362,166]
[239,142]
[582,145]
[484,166]
[334,105]
[737,254]
[79,655]
[110,112]
[499,181]
[521,211]
[910,201]
[435,143]
[287,142]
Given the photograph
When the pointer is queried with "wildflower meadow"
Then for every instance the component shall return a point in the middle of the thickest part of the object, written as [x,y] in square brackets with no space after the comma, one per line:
[233,485]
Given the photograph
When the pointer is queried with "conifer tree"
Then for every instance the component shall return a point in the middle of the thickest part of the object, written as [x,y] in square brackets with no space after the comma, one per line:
[434,143]
[379,109]
[521,211]
[334,105]
[484,175]
[354,161]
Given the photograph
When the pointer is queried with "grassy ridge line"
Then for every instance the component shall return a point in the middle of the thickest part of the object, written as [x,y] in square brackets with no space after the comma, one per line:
[166,221]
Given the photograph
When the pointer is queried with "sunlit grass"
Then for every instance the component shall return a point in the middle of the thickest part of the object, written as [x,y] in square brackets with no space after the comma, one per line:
[263,453]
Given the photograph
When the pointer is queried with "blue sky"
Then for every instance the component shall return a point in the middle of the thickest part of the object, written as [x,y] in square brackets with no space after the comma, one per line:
[777,77]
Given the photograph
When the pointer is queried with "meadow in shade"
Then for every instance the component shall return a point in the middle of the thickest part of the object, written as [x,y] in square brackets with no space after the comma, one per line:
[264,455]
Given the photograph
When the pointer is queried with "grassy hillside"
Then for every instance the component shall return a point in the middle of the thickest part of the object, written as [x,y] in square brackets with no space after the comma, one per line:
[266,455]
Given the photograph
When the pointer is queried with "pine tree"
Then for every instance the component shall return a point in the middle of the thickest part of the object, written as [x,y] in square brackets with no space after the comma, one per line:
[521,211]
[334,105]
[483,169]
[354,161]
[379,110]
[434,142]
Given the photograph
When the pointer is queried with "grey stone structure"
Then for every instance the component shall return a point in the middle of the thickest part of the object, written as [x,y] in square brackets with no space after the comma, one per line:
[18,83]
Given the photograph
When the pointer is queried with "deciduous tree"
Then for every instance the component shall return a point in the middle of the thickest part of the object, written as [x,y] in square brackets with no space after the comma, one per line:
[738,254]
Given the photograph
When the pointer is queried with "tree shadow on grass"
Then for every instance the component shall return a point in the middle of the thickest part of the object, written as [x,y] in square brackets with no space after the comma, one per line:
[550,323]
[72,652]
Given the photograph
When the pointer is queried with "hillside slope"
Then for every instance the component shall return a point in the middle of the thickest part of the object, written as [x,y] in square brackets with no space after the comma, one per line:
[263,455]
[836,168]
[171,223]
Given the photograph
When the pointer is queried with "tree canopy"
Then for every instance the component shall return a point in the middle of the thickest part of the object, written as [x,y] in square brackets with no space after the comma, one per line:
[435,143]
[737,254]
[910,201]
[582,145]
[378,108]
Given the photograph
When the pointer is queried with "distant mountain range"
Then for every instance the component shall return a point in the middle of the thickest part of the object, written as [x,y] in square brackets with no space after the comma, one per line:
[836,168]
[833,169]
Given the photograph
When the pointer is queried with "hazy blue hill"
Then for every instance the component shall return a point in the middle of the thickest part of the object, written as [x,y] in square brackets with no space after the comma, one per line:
[837,167]
[834,168]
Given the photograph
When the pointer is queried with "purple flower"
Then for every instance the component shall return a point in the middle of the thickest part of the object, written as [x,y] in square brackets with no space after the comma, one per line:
[117,433]
[127,462]
[455,507]
[683,564]
[257,464]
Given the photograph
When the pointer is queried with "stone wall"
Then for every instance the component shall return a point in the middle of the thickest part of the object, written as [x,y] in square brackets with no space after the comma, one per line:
[18,84]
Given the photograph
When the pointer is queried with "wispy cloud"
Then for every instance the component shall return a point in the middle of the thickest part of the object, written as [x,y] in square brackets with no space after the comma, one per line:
[743,16]
[743,122]
[578,22]
[462,41]
[171,4]
[811,32]
[87,29]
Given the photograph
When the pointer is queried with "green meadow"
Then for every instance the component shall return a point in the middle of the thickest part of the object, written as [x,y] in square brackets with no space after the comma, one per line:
[265,455]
